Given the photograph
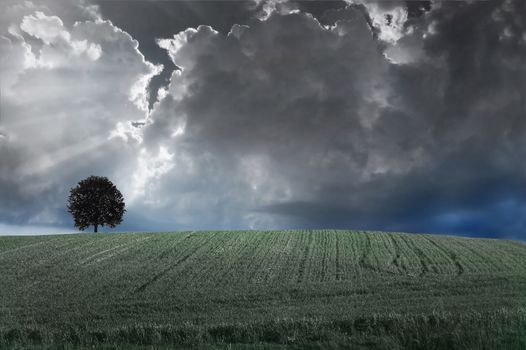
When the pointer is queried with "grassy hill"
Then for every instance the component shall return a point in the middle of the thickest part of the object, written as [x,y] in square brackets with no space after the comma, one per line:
[285,289]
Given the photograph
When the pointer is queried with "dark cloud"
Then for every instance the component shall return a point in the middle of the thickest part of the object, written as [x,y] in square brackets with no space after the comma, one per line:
[446,199]
[416,8]
[149,20]
[349,139]
[321,10]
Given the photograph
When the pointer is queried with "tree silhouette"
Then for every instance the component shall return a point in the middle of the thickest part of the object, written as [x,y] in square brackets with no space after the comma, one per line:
[96,201]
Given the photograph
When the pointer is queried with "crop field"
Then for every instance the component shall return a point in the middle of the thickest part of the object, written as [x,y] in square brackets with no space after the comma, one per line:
[320,289]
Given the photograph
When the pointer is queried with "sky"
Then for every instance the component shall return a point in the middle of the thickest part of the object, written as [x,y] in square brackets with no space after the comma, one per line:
[267,114]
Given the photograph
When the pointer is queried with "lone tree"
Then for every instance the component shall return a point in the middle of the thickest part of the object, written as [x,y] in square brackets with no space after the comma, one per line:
[96,201]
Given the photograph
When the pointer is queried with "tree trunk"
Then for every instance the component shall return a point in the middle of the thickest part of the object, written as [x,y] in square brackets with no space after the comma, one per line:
[95,228]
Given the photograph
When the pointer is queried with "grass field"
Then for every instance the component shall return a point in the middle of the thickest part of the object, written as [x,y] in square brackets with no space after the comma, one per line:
[261,290]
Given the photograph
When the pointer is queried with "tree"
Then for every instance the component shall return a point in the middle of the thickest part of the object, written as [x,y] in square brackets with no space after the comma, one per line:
[96,201]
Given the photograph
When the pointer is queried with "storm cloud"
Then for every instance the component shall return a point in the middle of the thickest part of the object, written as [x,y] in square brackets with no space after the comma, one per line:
[407,116]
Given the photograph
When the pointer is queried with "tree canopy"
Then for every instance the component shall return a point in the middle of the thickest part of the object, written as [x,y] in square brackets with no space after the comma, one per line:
[96,201]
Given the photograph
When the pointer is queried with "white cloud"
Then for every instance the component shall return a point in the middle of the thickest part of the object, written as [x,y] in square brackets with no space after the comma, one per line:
[139,93]
[59,46]
[388,17]
[150,167]
[68,84]
[93,51]
[48,28]
[268,7]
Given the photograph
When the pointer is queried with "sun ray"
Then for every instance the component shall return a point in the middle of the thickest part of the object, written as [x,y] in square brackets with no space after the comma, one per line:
[42,163]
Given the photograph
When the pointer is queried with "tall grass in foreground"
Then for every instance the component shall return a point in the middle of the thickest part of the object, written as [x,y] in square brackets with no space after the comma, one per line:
[503,329]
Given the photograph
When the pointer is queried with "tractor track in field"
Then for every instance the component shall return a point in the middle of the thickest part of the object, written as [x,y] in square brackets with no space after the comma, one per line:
[366,252]
[489,261]
[27,246]
[396,259]
[100,256]
[422,257]
[339,270]
[171,249]
[451,255]
[163,272]
[115,251]
[304,258]
[240,252]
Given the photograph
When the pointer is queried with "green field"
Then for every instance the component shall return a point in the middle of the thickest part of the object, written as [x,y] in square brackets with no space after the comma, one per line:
[261,290]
